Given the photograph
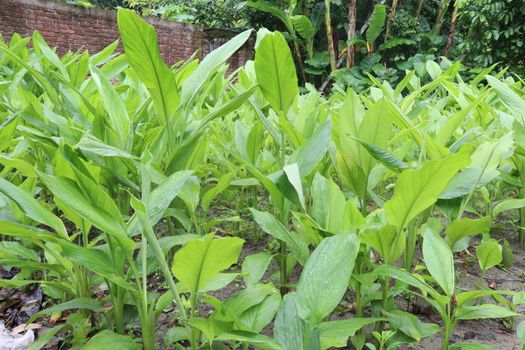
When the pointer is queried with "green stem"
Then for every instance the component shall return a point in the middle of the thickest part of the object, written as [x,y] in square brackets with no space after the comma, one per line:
[155,246]
[118,309]
[448,328]
[363,205]
[194,333]
[283,217]
[411,245]
[141,299]
[283,266]
[522,218]
[384,286]
[171,226]
[385,282]
[358,298]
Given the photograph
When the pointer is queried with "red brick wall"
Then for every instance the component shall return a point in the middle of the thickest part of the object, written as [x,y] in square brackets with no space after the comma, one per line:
[69,27]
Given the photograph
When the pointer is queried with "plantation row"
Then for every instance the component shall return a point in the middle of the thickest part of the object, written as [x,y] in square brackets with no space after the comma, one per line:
[118,172]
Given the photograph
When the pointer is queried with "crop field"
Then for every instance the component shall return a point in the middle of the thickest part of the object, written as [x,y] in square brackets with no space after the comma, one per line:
[144,206]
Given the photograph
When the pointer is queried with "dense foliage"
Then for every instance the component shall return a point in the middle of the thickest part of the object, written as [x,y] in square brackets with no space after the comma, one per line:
[332,39]
[129,188]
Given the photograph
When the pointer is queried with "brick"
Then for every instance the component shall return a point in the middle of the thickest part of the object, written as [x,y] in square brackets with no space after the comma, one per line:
[72,28]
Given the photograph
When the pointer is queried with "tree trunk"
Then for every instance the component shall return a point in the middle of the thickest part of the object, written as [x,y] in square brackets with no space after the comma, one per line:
[329,36]
[419,7]
[299,57]
[351,33]
[442,9]
[452,31]
[391,17]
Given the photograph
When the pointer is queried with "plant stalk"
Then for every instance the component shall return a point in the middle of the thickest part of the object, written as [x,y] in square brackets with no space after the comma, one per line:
[522,218]
[391,18]
[329,35]
[283,217]
[351,33]
[410,245]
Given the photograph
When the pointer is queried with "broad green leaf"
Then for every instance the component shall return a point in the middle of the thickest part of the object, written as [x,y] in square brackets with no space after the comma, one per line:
[416,190]
[376,23]
[483,168]
[259,316]
[78,303]
[489,254]
[42,48]
[40,78]
[328,207]
[7,130]
[483,311]
[210,327]
[254,267]
[31,265]
[254,142]
[336,333]
[326,273]
[19,284]
[158,251]
[160,199]
[22,166]
[254,307]
[520,333]
[386,158]
[374,128]
[465,227]
[470,346]
[142,51]
[222,184]
[165,244]
[303,26]
[199,263]
[489,154]
[188,145]
[31,207]
[433,69]
[405,277]
[15,249]
[507,205]
[455,121]
[258,340]
[519,298]
[386,241]
[294,178]
[507,255]
[70,194]
[507,95]
[90,144]
[439,260]
[465,181]
[114,106]
[289,328]
[275,71]
[22,231]
[467,296]
[46,337]
[95,260]
[411,325]
[209,65]
[274,228]
[312,152]
[268,7]
[175,335]
[107,339]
